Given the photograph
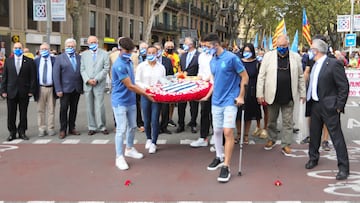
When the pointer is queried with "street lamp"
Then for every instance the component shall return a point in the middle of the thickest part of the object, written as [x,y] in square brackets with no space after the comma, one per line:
[351,21]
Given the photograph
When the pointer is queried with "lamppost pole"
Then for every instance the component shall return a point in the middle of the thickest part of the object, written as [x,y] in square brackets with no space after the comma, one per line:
[351,21]
[48,21]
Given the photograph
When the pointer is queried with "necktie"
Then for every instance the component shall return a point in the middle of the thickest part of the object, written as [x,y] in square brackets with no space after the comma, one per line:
[18,65]
[44,79]
[73,62]
[188,59]
[309,93]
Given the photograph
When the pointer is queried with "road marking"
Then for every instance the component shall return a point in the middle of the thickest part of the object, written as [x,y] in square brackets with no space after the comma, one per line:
[40,201]
[357,141]
[100,141]
[42,141]
[135,141]
[71,141]
[17,141]
[161,141]
[187,141]
[90,202]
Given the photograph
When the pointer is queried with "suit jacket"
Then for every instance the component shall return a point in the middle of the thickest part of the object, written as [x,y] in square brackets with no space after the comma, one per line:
[166,62]
[97,69]
[37,64]
[22,84]
[333,85]
[66,80]
[193,68]
[267,78]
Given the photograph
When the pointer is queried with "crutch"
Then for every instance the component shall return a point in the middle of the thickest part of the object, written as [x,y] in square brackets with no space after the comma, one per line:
[242,121]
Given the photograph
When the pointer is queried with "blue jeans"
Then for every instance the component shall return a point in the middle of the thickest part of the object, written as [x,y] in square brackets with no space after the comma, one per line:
[151,114]
[125,117]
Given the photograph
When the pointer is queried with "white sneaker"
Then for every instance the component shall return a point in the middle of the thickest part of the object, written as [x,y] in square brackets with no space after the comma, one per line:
[152,148]
[201,142]
[121,163]
[212,148]
[212,140]
[133,153]
[148,143]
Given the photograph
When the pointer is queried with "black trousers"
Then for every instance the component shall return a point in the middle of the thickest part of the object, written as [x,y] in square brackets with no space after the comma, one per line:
[320,115]
[139,120]
[12,105]
[68,110]
[194,109]
[164,116]
[205,118]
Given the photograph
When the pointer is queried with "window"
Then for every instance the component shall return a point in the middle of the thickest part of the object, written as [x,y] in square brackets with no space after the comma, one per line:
[121,5]
[92,23]
[132,7]
[107,25]
[141,29]
[206,27]
[31,24]
[142,5]
[201,26]
[93,2]
[120,26]
[174,21]
[108,3]
[131,29]
[56,26]
[4,13]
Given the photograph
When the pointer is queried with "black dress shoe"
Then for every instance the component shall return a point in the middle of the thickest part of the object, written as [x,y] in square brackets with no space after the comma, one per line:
[180,129]
[11,137]
[342,175]
[193,130]
[23,136]
[166,131]
[311,164]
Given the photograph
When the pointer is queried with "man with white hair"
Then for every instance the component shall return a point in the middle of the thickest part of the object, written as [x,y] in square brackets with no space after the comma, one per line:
[280,82]
[328,92]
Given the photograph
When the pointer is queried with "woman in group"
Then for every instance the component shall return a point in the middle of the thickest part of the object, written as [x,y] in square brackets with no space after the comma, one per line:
[252,108]
[147,74]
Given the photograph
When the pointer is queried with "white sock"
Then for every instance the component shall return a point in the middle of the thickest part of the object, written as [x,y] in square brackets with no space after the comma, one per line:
[218,138]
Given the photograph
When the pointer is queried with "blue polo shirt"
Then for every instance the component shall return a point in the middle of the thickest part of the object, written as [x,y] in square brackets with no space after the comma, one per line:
[121,95]
[226,69]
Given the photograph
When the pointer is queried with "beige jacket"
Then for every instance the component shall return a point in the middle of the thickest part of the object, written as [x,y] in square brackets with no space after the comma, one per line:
[267,78]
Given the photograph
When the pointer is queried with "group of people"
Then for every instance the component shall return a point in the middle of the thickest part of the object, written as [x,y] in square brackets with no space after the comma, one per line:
[274,81]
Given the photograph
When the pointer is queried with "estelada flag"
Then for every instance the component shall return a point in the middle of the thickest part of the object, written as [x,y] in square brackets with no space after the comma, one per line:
[306,28]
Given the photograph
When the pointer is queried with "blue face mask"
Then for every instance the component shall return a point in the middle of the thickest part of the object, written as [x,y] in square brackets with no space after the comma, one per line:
[142,51]
[247,54]
[159,53]
[18,52]
[311,54]
[259,58]
[126,56]
[212,51]
[45,53]
[204,49]
[186,47]
[69,50]
[283,50]
[151,57]
[93,47]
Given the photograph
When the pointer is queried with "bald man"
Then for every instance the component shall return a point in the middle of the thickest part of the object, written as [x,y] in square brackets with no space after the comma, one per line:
[280,82]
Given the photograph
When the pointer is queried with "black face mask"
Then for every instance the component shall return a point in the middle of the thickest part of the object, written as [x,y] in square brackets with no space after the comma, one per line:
[170,51]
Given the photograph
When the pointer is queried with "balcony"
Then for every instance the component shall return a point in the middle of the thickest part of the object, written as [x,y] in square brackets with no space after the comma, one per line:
[220,28]
[160,27]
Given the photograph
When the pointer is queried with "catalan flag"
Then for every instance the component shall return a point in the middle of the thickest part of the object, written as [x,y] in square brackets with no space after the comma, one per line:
[280,29]
[306,28]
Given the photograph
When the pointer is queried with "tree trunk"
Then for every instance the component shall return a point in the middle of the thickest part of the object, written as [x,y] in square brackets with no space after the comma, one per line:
[153,12]
[76,30]
[147,37]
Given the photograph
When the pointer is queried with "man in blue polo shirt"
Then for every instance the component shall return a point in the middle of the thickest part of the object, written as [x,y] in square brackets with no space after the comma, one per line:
[230,77]
[123,101]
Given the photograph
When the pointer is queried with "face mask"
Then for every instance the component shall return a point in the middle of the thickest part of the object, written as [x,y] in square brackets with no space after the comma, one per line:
[126,56]
[212,51]
[204,49]
[186,47]
[151,57]
[69,50]
[247,54]
[93,47]
[45,53]
[311,54]
[282,50]
[259,58]
[18,52]
[170,51]
[159,53]
[142,51]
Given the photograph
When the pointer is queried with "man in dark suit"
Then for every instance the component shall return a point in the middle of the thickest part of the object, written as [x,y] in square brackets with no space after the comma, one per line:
[328,92]
[18,84]
[166,62]
[190,66]
[45,94]
[68,86]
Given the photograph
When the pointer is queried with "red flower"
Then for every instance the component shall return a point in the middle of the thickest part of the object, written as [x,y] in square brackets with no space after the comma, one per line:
[127,183]
[278,183]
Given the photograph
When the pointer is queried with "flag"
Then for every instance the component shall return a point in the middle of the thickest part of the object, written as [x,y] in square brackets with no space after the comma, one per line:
[270,43]
[256,41]
[264,42]
[306,28]
[294,45]
[280,29]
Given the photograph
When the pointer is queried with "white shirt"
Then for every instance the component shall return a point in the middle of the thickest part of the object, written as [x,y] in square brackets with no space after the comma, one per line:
[49,71]
[147,75]
[204,66]
[314,85]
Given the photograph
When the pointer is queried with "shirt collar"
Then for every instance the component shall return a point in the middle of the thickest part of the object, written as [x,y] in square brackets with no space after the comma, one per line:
[321,60]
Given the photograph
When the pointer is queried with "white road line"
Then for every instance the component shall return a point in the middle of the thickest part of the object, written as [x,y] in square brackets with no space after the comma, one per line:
[40,201]
[71,141]
[135,141]
[357,141]
[17,141]
[161,141]
[100,141]
[187,141]
[90,202]
[42,141]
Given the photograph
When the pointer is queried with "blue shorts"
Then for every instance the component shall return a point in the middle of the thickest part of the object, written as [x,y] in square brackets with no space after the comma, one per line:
[224,117]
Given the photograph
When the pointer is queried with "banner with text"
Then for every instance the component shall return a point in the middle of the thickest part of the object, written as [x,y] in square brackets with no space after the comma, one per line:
[353,76]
